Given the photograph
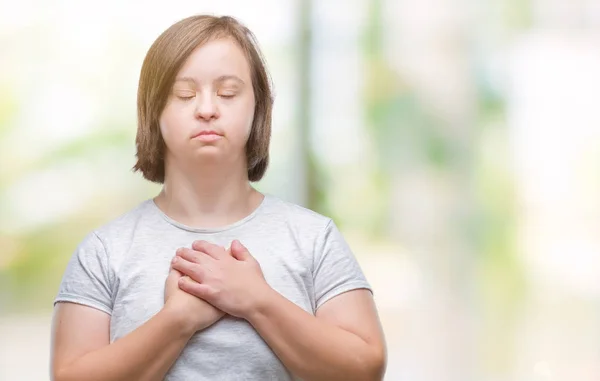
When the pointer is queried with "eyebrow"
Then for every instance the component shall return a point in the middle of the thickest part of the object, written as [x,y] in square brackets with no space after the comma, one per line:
[221,79]
[185,79]
[224,78]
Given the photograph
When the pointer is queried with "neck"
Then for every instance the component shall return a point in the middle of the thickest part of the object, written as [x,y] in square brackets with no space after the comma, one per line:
[207,196]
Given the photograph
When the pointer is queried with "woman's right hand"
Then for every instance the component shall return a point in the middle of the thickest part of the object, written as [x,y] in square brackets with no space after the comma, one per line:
[194,313]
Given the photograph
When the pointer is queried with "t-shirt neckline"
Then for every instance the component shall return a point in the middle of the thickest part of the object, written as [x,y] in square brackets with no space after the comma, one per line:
[233,225]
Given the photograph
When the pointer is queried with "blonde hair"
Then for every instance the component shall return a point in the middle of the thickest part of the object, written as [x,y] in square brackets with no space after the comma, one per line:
[161,65]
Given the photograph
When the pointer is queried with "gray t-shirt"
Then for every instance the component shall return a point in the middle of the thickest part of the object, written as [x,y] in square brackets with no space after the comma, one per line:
[121,268]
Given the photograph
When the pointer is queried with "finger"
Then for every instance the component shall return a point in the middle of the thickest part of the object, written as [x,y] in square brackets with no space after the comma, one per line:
[193,270]
[211,249]
[199,290]
[173,276]
[191,255]
[239,251]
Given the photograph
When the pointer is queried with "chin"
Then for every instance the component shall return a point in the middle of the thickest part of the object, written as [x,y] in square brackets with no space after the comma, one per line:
[207,153]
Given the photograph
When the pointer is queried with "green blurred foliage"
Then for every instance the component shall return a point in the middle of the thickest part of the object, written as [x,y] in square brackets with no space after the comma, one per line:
[404,133]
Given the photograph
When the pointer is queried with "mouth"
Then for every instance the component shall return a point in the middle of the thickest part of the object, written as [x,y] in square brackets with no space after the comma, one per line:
[207,136]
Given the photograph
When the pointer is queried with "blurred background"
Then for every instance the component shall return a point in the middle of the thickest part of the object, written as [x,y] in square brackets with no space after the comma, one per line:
[455,143]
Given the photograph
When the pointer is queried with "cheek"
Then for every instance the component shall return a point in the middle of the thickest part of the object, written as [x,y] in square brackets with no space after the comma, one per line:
[249,122]
[248,118]
[164,123]
[237,120]
[170,126]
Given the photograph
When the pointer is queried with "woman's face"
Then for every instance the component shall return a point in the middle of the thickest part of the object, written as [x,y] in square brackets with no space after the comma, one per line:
[209,113]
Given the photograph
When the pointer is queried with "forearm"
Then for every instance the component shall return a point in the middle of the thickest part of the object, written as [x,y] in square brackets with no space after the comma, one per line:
[311,348]
[146,354]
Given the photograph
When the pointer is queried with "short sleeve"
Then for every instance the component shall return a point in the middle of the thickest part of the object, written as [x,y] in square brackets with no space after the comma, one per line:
[86,279]
[336,269]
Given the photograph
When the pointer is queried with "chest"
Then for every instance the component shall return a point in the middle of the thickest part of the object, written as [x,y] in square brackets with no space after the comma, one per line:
[138,292]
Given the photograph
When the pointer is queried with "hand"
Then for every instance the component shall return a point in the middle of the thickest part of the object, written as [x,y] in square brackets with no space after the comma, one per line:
[233,283]
[194,313]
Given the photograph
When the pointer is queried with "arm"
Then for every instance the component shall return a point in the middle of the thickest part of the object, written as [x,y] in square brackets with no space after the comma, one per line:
[342,342]
[81,347]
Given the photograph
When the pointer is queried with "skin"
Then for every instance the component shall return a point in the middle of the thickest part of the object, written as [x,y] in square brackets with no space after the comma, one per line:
[81,347]
[344,341]
[206,185]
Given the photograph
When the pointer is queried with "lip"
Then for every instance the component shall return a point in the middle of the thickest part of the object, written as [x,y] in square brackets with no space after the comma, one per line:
[207,136]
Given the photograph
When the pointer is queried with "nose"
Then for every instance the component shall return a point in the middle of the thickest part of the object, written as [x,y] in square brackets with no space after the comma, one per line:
[206,107]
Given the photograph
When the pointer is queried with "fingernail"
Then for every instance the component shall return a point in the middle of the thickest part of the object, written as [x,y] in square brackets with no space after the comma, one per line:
[174,260]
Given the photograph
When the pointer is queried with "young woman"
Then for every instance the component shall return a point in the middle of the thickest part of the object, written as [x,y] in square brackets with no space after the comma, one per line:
[212,280]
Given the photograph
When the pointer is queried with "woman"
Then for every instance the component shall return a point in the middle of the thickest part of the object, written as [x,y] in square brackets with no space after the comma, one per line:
[256,288]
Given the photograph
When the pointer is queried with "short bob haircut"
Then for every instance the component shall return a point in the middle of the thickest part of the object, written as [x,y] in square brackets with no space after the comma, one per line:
[161,65]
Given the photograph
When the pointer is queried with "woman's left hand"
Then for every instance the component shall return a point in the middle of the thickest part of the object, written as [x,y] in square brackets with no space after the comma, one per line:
[231,281]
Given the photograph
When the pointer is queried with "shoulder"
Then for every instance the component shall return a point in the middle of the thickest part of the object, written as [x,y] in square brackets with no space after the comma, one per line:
[298,217]
[122,229]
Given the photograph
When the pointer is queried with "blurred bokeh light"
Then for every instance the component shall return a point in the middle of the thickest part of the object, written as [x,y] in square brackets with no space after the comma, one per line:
[456,144]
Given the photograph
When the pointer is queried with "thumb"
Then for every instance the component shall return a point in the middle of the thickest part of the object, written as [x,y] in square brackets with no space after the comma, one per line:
[239,251]
[171,282]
